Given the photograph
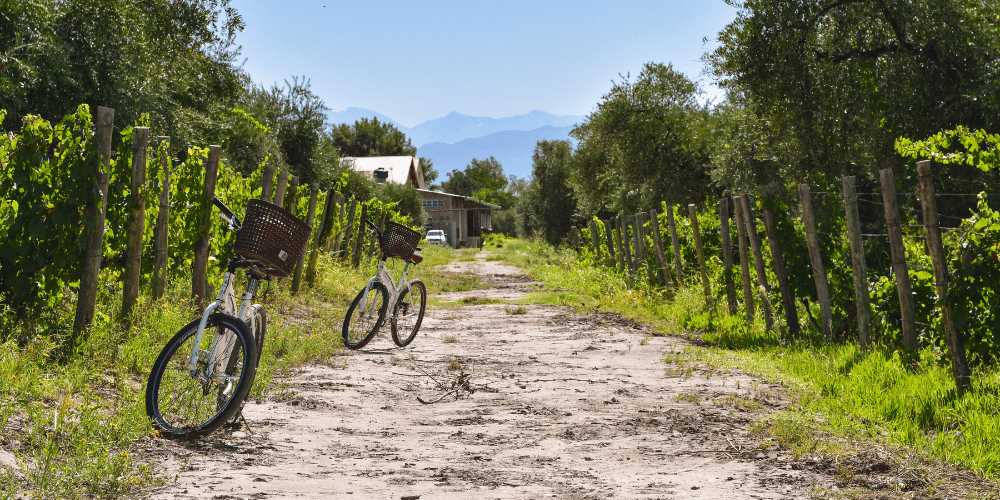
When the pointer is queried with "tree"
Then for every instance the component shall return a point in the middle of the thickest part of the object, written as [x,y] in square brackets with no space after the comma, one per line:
[175,60]
[821,89]
[483,180]
[649,141]
[297,118]
[371,138]
[430,173]
[548,205]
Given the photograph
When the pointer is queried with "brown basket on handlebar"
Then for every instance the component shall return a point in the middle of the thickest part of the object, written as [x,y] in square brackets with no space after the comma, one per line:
[398,240]
[273,237]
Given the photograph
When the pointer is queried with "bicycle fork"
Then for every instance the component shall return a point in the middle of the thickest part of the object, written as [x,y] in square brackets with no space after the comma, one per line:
[217,357]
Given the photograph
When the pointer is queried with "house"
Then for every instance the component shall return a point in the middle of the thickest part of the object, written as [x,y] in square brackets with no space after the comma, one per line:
[463,219]
[394,169]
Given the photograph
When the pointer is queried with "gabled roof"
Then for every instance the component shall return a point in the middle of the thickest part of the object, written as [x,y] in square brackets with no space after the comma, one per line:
[401,169]
[424,192]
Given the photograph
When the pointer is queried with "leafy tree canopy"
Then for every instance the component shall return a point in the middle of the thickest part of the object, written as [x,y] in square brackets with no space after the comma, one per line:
[649,141]
[371,138]
[483,180]
[548,204]
[826,86]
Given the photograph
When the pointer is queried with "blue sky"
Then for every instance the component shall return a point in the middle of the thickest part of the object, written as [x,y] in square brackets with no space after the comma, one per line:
[415,61]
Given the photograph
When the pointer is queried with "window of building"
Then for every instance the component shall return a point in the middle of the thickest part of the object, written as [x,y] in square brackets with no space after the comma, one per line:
[433,203]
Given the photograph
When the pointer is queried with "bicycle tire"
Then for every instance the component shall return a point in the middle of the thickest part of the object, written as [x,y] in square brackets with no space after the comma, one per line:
[408,313]
[183,406]
[360,327]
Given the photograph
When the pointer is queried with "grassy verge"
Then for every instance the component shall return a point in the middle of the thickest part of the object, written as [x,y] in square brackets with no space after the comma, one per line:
[70,422]
[872,395]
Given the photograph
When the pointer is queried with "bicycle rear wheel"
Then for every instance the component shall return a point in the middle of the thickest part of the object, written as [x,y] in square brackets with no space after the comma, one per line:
[408,313]
[185,403]
[361,324]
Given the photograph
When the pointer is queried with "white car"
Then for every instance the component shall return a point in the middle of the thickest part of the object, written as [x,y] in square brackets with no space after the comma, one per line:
[437,236]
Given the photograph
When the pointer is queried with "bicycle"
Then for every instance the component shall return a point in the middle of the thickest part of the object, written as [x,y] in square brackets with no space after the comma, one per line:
[367,312]
[203,374]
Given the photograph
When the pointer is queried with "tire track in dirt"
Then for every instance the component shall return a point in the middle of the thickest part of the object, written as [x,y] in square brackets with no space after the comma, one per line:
[565,406]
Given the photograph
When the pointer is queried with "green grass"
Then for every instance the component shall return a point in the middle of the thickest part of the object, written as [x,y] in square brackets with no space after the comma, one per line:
[873,395]
[76,421]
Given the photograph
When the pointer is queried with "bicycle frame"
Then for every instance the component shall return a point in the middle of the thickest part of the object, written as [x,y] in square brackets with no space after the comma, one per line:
[218,355]
[383,275]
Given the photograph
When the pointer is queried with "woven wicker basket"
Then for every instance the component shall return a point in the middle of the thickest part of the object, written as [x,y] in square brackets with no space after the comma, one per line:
[272,236]
[398,240]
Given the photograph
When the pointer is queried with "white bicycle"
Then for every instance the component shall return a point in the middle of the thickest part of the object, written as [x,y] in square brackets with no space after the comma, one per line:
[367,312]
[203,375]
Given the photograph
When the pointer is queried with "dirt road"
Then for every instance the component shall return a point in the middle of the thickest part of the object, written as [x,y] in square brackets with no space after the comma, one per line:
[565,406]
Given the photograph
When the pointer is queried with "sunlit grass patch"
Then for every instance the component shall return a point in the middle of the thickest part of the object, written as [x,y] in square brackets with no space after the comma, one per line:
[478,301]
[519,309]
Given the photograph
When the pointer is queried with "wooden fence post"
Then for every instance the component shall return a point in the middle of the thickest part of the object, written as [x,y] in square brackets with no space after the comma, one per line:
[324,225]
[199,276]
[266,182]
[595,239]
[609,234]
[758,260]
[620,245]
[899,267]
[349,231]
[637,242]
[858,266]
[676,243]
[136,222]
[279,193]
[94,214]
[661,260]
[781,271]
[741,236]
[627,237]
[293,194]
[371,241]
[727,254]
[360,237]
[819,273]
[162,224]
[574,238]
[953,338]
[335,239]
[310,217]
[699,250]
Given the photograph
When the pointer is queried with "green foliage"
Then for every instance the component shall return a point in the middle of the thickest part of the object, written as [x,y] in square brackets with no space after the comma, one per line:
[405,200]
[958,146]
[46,180]
[174,59]
[548,206]
[371,138]
[483,180]
[649,141]
[818,90]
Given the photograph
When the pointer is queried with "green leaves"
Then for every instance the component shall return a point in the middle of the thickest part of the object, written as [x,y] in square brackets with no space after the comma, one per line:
[960,145]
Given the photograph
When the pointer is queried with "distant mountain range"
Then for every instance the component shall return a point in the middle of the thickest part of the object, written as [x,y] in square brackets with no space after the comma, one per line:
[455,139]
[512,148]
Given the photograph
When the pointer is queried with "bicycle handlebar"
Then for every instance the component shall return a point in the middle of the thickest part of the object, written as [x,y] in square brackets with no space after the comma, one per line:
[227,213]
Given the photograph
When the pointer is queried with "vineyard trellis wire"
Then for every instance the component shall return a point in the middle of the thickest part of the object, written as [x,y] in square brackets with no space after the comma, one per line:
[951,310]
[53,183]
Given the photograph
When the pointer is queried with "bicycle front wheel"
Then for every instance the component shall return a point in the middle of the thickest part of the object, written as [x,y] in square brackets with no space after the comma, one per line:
[363,320]
[409,313]
[188,403]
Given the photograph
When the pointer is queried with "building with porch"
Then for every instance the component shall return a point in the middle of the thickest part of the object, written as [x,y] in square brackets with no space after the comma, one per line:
[463,219]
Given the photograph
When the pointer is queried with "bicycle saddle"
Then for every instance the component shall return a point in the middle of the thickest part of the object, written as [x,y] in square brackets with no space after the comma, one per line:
[416,258]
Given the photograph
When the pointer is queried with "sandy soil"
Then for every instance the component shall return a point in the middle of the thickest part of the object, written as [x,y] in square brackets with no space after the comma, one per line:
[564,406]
